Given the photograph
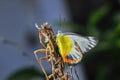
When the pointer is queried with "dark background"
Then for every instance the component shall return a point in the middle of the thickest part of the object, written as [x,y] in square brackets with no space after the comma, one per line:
[102,19]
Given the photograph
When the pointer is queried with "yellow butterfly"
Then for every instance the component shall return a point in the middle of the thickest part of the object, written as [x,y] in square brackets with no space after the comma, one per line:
[72,46]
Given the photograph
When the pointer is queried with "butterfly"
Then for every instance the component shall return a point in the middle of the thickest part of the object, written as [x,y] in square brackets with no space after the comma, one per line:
[72,46]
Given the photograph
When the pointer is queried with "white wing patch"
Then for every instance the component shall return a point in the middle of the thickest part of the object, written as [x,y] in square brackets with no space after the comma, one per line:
[75,54]
[85,43]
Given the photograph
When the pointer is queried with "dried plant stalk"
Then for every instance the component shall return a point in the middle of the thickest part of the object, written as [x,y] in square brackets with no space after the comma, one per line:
[52,56]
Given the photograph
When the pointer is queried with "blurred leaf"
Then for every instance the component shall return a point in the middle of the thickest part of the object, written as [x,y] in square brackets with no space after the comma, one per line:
[119,1]
[117,42]
[97,15]
[117,17]
[118,27]
[29,73]
[92,30]
[117,30]
[94,19]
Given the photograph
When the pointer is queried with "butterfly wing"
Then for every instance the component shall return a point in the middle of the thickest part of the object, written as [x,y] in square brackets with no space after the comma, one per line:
[85,43]
[80,45]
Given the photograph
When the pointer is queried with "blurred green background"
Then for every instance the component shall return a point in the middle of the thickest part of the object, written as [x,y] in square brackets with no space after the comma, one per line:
[99,18]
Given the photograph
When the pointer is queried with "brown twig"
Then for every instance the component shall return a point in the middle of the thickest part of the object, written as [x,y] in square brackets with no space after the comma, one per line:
[14,44]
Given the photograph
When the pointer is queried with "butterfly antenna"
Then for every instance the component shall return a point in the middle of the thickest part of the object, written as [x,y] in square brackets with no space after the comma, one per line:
[60,21]
[36,25]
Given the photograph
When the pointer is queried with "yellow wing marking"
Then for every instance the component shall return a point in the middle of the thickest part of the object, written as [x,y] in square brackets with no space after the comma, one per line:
[64,44]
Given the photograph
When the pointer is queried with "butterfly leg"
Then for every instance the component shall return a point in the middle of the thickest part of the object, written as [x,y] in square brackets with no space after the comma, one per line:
[76,73]
[40,38]
[71,72]
[40,60]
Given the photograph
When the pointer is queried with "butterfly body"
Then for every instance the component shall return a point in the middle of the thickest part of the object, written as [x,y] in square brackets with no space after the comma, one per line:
[72,46]
[65,44]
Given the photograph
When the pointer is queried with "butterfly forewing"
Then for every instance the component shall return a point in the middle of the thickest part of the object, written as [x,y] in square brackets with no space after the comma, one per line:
[85,43]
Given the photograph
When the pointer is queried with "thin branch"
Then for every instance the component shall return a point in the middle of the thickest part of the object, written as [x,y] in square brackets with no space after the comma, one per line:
[14,44]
